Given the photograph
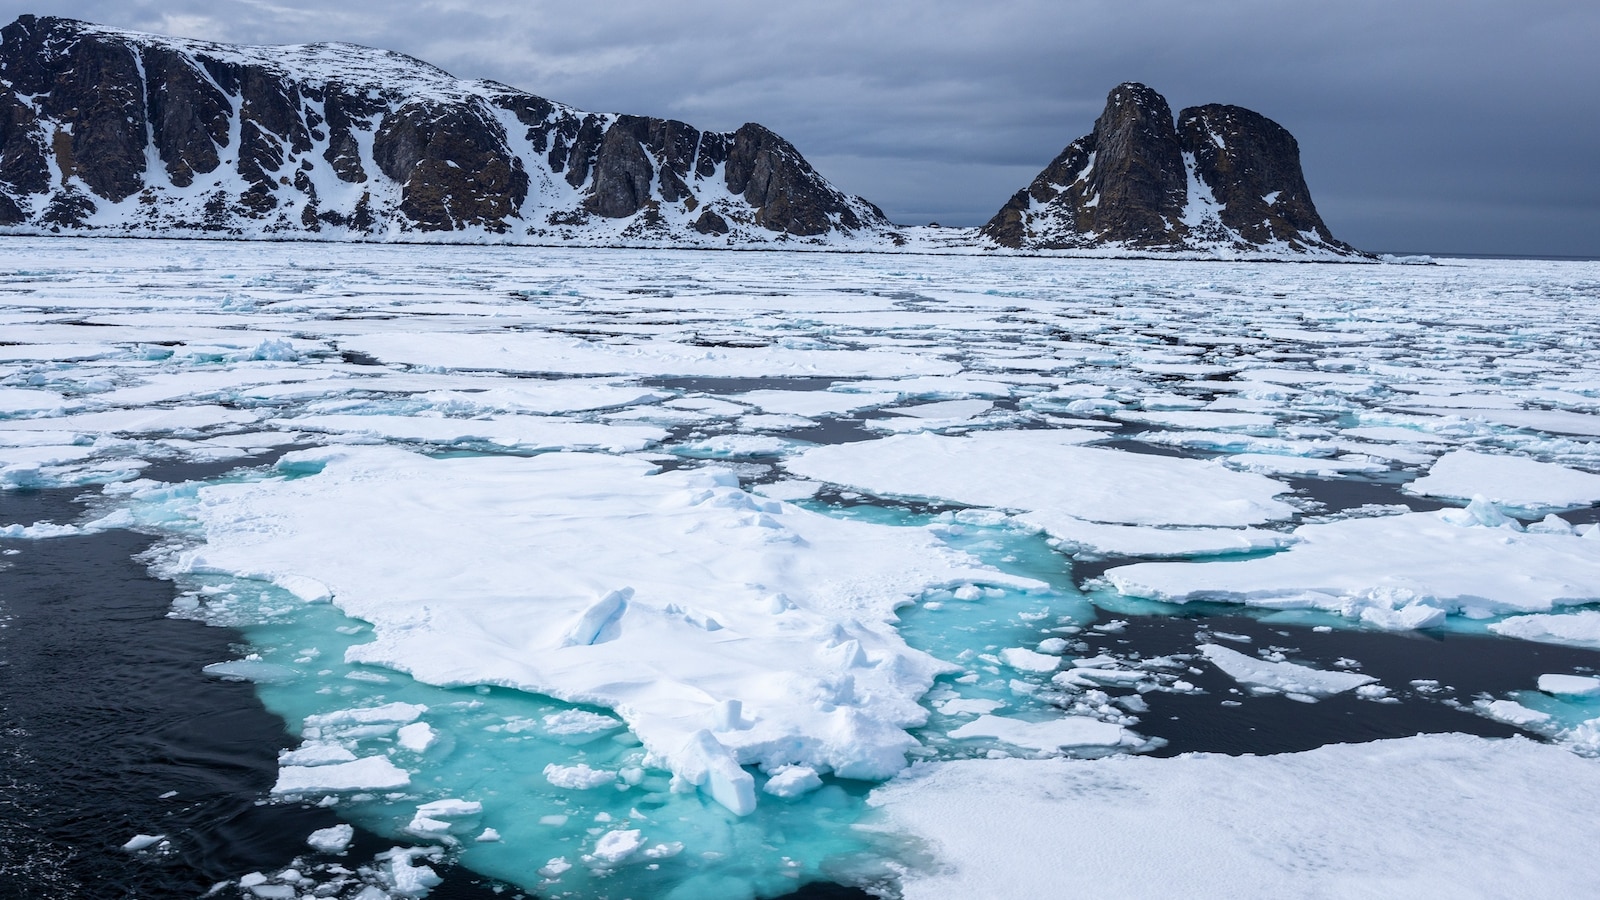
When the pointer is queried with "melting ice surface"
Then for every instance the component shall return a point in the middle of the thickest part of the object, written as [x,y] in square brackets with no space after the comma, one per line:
[634,574]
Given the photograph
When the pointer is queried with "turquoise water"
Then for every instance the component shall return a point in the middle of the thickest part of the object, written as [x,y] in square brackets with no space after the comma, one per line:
[493,744]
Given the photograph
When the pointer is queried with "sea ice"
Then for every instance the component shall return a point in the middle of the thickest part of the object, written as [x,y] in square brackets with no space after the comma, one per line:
[1051,735]
[415,546]
[1570,685]
[1507,480]
[1405,571]
[792,781]
[1050,473]
[333,839]
[1579,629]
[372,773]
[1381,818]
[1285,677]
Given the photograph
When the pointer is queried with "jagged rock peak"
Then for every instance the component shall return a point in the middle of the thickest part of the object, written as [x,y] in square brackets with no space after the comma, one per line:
[1222,179]
[119,132]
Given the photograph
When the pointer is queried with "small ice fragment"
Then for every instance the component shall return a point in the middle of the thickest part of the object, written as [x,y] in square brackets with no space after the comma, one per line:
[708,764]
[600,622]
[372,773]
[143,842]
[665,851]
[968,592]
[252,879]
[333,839]
[1570,685]
[1281,676]
[1551,524]
[168,795]
[416,737]
[1053,646]
[1480,512]
[489,836]
[555,821]
[1512,713]
[579,722]
[555,867]
[792,781]
[578,778]
[388,713]
[411,880]
[616,846]
[1026,660]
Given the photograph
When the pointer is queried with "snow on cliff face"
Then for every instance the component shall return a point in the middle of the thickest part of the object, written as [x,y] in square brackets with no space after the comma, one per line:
[125,133]
[1223,181]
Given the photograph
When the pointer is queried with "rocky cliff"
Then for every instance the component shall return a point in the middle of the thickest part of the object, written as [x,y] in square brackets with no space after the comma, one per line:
[1222,180]
[115,132]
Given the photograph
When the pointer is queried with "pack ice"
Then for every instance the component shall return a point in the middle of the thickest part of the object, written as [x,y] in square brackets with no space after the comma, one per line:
[725,629]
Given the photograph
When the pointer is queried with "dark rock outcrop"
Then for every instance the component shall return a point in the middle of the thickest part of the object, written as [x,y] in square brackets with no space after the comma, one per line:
[346,141]
[1223,179]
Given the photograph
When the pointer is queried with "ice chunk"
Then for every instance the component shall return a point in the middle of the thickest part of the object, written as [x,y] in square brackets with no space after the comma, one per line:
[1282,676]
[600,621]
[407,878]
[1394,571]
[416,737]
[579,777]
[333,839]
[315,753]
[142,842]
[1067,732]
[615,846]
[1508,480]
[1026,660]
[573,722]
[708,764]
[792,781]
[1579,629]
[1570,685]
[1362,805]
[367,774]
[252,670]
[1512,713]
[1049,472]
[1481,511]
[388,713]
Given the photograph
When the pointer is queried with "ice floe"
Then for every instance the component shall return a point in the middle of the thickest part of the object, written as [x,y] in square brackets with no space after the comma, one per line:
[592,578]
[1371,818]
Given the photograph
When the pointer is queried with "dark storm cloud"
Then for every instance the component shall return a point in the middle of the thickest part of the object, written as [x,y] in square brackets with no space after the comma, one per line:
[1447,125]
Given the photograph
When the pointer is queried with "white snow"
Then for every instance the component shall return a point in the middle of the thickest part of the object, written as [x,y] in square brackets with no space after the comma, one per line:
[1436,816]
[1508,480]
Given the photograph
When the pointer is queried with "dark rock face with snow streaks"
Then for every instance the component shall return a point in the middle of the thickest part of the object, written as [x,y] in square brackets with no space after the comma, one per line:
[115,132]
[1222,179]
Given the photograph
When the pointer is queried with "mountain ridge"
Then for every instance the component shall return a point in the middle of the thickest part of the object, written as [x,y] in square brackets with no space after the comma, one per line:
[112,132]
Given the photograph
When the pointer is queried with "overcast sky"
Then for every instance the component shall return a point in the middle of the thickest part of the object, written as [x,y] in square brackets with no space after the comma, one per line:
[1425,125]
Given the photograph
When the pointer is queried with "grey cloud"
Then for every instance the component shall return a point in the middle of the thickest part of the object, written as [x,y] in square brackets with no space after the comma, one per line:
[1467,126]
